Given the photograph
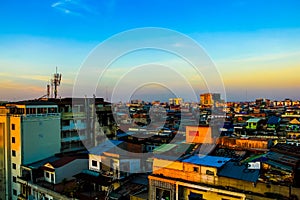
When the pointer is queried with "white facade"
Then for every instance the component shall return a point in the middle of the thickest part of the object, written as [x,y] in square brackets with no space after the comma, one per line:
[119,166]
[67,171]
[94,162]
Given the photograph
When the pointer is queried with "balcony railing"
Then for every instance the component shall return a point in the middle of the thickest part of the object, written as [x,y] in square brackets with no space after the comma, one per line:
[74,138]
[71,115]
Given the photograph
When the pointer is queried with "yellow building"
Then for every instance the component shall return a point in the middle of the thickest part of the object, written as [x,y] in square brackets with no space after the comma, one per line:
[29,132]
[175,101]
[210,99]
[210,178]
[182,179]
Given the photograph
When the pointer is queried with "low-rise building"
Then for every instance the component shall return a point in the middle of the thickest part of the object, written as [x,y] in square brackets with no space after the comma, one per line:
[254,124]
[211,177]
[52,177]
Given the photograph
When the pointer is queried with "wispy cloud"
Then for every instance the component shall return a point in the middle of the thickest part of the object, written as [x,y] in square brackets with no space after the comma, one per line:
[264,58]
[74,7]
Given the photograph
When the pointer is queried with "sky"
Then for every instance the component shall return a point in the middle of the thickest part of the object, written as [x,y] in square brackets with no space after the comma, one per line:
[253,45]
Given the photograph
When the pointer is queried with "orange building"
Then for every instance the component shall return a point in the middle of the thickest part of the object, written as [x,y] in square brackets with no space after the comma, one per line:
[245,143]
[201,135]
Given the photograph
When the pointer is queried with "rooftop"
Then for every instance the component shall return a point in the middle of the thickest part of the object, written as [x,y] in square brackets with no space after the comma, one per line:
[40,163]
[31,102]
[273,120]
[104,146]
[255,120]
[62,161]
[210,161]
[239,171]
[287,149]
[294,121]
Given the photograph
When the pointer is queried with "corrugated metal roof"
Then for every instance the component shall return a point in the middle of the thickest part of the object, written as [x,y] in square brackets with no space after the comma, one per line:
[104,146]
[40,163]
[210,161]
[255,120]
[278,165]
[63,161]
[273,120]
[164,148]
[240,172]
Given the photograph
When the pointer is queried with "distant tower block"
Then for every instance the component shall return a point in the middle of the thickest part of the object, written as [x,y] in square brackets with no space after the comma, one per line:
[55,82]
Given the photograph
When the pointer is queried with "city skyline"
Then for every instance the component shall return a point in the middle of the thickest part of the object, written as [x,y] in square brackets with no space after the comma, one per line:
[255,46]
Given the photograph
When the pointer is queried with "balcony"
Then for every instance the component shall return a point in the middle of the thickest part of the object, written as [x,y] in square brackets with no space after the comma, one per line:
[38,115]
[77,126]
[71,115]
[74,138]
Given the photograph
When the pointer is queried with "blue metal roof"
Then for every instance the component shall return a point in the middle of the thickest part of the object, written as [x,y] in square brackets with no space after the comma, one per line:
[210,161]
[90,172]
[240,172]
[273,120]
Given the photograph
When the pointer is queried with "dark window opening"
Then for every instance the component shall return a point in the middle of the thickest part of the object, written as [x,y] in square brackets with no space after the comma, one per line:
[94,163]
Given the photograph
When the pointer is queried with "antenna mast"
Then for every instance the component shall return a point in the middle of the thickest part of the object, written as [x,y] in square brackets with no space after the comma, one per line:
[55,82]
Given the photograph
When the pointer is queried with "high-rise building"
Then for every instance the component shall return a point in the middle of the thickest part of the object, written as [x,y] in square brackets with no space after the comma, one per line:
[81,119]
[210,99]
[29,132]
[175,101]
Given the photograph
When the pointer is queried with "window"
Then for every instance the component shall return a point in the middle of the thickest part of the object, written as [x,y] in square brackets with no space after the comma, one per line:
[163,194]
[14,166]
[13,153]
[47,174]
[208,172]
[13,127]
[13,140]
[66,123]
[196,169]
[52,178]
[14,192]
[14,179]
[94,163]
[195,196]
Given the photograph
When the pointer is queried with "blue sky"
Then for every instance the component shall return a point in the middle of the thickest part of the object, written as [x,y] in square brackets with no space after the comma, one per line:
[254,44]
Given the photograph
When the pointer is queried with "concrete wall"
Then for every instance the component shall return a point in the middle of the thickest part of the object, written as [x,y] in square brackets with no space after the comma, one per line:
[209,195]
[155,184]
[185,172]
[17,147]
[96,158]
[40,137]
[196,134]
[4,160]
[134,165]
[184,189]
[69,170]
[48,179]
